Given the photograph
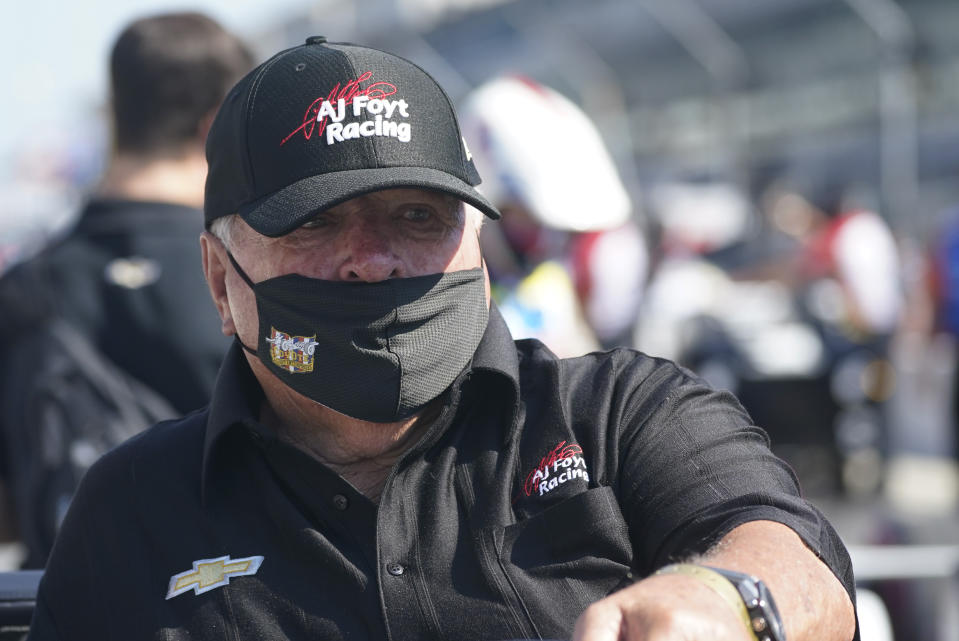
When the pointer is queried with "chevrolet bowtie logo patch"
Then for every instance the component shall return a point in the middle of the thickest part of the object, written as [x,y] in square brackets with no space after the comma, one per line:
[208,574]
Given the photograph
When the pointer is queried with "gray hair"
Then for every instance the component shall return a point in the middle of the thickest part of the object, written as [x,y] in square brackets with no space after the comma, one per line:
[474,216]
[222,228]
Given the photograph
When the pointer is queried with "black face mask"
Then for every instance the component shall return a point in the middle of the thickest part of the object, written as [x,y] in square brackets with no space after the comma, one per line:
[374,351]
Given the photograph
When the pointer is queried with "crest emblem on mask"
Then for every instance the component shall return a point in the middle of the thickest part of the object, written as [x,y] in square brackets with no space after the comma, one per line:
[292,353]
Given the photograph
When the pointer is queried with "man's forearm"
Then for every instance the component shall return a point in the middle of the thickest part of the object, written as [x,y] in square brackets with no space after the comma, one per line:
[813,603]
[811,600]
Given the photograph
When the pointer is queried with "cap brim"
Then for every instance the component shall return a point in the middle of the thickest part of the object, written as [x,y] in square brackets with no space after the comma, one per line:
[283,211]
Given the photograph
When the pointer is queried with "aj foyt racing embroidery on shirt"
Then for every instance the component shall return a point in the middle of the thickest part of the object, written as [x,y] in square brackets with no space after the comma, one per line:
[564,463]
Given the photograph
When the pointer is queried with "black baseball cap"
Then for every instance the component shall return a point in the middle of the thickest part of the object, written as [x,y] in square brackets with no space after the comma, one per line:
[321,123]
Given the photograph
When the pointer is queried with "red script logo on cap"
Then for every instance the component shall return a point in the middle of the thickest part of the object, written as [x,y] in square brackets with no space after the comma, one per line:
[348,93]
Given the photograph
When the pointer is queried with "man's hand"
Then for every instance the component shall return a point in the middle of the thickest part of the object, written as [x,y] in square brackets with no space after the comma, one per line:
[662,608]
[676,607]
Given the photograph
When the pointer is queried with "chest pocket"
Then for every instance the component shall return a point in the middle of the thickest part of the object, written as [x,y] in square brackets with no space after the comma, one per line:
[562,559]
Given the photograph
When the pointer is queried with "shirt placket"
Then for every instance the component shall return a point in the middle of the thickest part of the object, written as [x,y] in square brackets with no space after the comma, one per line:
[407,604]
[335,509]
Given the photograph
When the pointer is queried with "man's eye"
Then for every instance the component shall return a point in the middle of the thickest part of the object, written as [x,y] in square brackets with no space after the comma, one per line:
[320,220]
[417,214]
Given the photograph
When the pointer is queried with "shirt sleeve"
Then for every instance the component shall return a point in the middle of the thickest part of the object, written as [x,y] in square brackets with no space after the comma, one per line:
[693,468]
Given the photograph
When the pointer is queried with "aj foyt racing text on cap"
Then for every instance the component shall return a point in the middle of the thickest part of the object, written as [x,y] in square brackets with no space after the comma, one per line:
[322,123]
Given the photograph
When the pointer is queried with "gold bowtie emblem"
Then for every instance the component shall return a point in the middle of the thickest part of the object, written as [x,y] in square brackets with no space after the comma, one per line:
[208,574]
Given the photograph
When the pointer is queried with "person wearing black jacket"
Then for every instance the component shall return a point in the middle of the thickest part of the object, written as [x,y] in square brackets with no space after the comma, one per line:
[382,460]
[128,274]
[126,279]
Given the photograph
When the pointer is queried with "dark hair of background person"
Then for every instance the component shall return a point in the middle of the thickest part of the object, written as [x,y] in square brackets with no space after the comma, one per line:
[168,73]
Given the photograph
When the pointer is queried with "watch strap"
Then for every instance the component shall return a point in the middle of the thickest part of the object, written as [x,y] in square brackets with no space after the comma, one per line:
[764,616]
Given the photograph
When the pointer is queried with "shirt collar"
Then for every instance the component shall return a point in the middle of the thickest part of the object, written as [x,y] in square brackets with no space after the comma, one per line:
[237,394]
[496,361]
[235,401]
[496,352]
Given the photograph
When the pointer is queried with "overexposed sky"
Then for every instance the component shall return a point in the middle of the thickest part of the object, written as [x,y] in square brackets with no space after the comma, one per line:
[55,57]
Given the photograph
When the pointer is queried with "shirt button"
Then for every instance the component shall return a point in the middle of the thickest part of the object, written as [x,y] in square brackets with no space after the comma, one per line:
[395,569]
[340,502]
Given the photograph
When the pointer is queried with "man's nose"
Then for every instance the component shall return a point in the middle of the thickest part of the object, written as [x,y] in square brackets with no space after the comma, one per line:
[370,255]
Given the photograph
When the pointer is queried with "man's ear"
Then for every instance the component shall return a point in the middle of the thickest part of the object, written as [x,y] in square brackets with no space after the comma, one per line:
[215,266]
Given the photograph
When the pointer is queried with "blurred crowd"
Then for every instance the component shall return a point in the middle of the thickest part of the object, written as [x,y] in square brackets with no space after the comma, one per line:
[837,332]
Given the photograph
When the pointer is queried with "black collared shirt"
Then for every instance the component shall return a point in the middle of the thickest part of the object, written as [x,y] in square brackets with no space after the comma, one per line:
[544,485]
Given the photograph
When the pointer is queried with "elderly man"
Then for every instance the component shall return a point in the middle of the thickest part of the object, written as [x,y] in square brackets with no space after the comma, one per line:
[381,460]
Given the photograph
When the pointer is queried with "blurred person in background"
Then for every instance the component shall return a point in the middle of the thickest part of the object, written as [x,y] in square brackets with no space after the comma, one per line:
[568,262]
[699,224]
[848,282]
[126,279]
[849,262]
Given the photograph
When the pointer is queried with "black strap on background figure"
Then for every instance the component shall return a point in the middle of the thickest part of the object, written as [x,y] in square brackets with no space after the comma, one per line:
[62,405]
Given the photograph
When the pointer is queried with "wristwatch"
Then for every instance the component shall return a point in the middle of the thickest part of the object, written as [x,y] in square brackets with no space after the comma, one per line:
[744,592]
[764,616]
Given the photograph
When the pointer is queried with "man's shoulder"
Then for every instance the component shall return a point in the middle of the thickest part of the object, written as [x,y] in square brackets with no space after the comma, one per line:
[106,217]
[621,384]
[620,365]
[104,228]
[158,459]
